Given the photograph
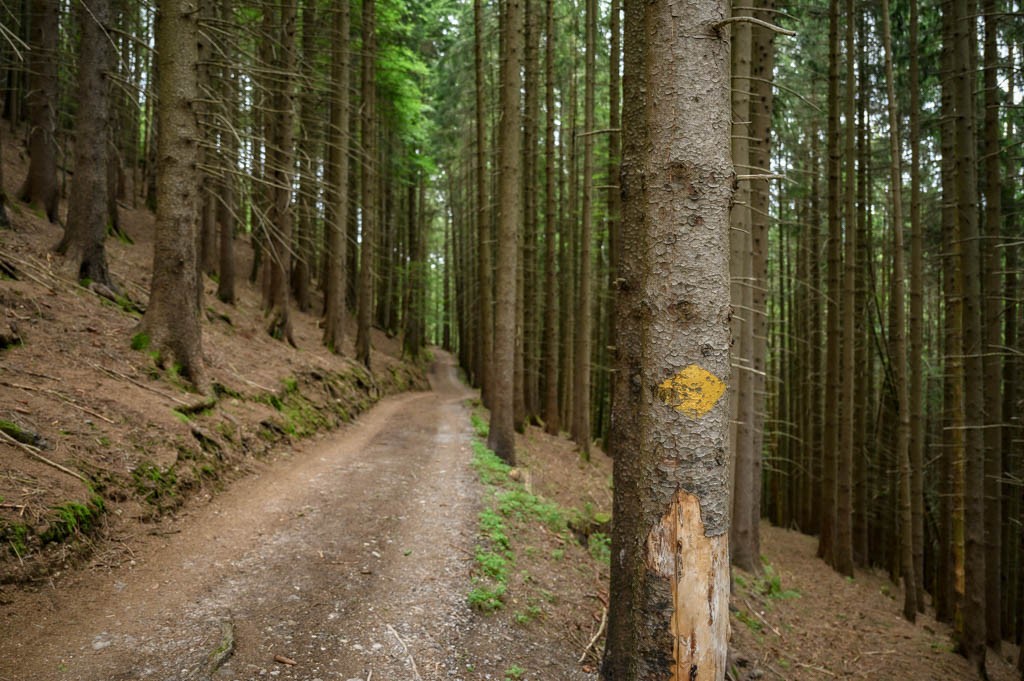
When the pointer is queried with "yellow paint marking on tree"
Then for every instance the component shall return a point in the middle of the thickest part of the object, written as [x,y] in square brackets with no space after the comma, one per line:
[692,391]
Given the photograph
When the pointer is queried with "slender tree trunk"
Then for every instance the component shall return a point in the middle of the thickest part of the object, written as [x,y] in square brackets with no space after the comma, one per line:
[502,434]
[368,233]
[761,106]
[42,100]
[972,640]
[581,371]
[1013,539]
[483,220]
[741,274]
[5,220]
[898,334]
[668,615]
[916,387]
[551,372]
[279,237]
[991,265]
[87,214]
[337,186]
[308,151]
[861,551]
[843,550]
[229,204]
[950,591]
[531,109]
[614,193]
[833,395]
[171,320]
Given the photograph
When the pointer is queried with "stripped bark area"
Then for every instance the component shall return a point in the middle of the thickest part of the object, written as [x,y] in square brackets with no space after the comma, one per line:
[697,569]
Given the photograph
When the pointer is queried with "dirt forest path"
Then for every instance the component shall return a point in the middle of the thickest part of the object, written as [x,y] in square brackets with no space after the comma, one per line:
[348,558]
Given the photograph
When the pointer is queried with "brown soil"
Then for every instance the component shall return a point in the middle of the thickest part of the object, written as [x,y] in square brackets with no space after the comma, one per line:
[815,624]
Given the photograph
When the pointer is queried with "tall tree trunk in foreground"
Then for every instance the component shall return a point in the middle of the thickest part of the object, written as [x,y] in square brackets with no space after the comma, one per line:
[172,318]
[87,215]
[337,187]
[502,434]
[40,185]
[670,568]
[364,295]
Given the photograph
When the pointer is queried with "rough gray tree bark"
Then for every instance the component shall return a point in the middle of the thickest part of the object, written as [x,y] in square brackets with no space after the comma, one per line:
[337,187]
[670,567]
[364,293]
[87,216]
[40,185]
[502,433]
[172,319]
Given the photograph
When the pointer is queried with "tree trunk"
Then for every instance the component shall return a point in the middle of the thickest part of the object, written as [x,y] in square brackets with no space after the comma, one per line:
[964,48]
[172,319]
[229,204]
[842,554]
[531,110]
[916,388]
[282,215]
[581,371]
[483,220]
[502,434]
[741,272]
[42,100]
[551,422]
[668,615]
[87,214]
[833,396]
[614,195]
[992,332]
[368,235]
[337,186]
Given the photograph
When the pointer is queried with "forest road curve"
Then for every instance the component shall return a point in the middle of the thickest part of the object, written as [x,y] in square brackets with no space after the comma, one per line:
[346,560]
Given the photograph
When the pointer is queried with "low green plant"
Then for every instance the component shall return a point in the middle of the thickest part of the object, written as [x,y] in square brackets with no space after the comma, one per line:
[487,598]
[599,545]
[514,673]
[531,613]
[754,625]
[140,341]
[481,426]
[154,484]
[16,536]
[770,585]
[73,518]
[491,469]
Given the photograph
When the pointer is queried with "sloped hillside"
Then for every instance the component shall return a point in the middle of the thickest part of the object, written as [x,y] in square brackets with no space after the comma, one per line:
[96,438]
